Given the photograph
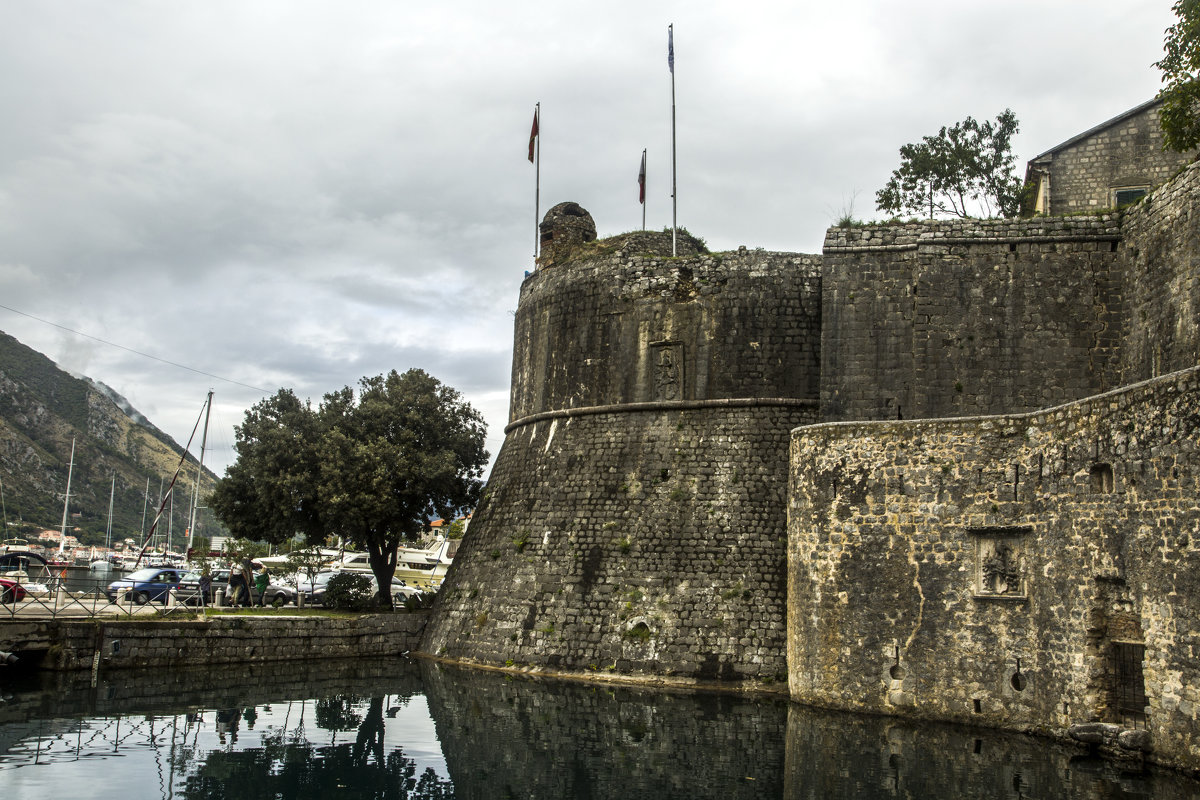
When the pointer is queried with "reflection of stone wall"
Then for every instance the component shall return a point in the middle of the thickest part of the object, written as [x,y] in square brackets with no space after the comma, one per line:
[901,599]
[836,756]
[550,740]
[190,686]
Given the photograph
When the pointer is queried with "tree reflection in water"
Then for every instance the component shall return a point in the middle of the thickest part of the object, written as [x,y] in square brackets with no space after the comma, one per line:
[287,764]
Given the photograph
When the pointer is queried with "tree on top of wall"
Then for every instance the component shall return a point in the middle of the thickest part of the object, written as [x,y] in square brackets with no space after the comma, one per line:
[1180,65]
[964,168]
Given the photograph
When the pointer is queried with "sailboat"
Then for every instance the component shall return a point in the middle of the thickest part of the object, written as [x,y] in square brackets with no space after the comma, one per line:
[61,559]
[103,564]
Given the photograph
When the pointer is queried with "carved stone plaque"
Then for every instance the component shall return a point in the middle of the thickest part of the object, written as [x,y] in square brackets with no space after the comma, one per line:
[1000,567]
[667,366]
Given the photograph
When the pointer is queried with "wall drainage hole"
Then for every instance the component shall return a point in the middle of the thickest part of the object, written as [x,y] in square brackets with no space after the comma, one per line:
[1018,681]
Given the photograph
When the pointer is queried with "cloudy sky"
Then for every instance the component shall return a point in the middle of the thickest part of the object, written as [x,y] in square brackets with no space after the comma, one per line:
[298,193]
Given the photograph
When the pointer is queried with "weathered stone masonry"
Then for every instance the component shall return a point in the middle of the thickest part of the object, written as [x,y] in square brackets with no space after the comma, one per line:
[635,519]
[991,569]
[1013,570]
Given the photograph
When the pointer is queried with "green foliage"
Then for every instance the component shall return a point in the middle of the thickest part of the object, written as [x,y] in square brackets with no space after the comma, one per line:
[305,562]
[349,590]
[457,529]
[966,166]
[1180,66]
[521,540]
[370,465]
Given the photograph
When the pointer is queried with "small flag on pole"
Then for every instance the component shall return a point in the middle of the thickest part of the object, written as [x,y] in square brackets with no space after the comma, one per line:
[671,48]
[642,180]
[533,134]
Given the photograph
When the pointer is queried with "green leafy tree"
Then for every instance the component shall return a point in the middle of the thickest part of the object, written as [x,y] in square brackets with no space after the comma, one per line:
[371,466]
[1180,66]
[270,493]
[965,167]
[403,450]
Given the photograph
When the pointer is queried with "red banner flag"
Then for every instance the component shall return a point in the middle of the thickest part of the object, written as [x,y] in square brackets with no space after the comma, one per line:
[533,134]
[642,180]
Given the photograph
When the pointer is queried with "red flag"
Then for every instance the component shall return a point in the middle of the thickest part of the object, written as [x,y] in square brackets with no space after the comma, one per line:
[533,134]
[642,180]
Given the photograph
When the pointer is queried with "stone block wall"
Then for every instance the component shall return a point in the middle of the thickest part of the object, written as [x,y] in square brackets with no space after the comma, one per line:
[992,570]
[957,318]
[1160,254]
[1126,154]
[638,541]
[624,324]
[129,644]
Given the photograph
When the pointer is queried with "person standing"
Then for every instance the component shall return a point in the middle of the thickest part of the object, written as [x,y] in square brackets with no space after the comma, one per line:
[248,579]
[262,580]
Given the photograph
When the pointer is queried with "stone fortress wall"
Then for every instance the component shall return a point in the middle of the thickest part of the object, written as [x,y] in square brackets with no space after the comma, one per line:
[1033,570]
[636,520]
[967,317]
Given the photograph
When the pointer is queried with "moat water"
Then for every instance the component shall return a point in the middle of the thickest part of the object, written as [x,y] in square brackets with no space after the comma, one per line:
[401,729]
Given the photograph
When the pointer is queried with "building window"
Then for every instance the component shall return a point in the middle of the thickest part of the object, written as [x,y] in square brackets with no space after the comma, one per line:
[1128,195]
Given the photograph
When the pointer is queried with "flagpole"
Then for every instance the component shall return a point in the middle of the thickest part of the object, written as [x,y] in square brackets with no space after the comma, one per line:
[671,64]
[643,188]
[537,179]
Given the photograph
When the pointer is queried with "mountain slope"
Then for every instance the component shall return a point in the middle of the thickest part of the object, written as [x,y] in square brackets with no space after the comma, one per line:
[41,409]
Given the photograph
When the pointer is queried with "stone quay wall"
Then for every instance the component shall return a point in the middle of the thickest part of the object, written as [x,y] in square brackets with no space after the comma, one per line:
[628,325]
[127,644]
[1014,571]
[632,541]
[969,317]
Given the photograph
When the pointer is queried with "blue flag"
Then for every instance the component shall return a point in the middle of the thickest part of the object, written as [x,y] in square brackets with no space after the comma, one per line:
[671,48]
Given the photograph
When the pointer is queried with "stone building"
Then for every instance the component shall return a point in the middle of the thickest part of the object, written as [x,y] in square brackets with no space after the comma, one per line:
[944,470]
[1109,166]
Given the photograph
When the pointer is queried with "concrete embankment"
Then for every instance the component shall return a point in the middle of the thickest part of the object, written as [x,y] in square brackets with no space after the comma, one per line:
[124,644]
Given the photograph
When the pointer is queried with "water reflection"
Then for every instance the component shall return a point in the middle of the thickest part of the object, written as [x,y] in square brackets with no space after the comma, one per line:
[395,729]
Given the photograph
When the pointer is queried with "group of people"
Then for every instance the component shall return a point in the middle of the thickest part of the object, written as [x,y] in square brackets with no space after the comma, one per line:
[247,585]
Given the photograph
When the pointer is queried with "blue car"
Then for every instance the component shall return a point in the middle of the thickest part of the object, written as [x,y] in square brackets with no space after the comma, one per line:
[152,583]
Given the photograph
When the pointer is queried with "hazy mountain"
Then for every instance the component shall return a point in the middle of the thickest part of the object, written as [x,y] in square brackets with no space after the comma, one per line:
[41,408]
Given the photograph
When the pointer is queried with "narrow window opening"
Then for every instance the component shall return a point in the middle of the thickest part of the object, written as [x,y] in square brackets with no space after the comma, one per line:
[978,706]
[1102,478]
[978,743]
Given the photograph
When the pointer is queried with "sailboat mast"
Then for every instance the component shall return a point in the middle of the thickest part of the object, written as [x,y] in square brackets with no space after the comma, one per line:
[62,539]
[108,533]
[5,508]
[199,473]
[145,505]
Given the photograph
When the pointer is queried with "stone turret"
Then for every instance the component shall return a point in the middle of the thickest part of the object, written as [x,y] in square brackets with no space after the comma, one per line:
[564,228]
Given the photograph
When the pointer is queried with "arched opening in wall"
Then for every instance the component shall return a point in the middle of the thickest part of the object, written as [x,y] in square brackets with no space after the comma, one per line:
[1102,478]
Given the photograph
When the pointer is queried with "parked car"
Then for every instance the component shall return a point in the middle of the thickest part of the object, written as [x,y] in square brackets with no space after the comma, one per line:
[145,585]
[314,592]
[11,591]
[188,591]
[278,594]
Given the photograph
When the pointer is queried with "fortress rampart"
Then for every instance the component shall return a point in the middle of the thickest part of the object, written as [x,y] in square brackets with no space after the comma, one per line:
[1000,569]
[966,317]
[636,510]
[1000,528]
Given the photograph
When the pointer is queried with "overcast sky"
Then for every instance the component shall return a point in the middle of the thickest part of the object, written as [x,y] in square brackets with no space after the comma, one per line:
[292,193]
